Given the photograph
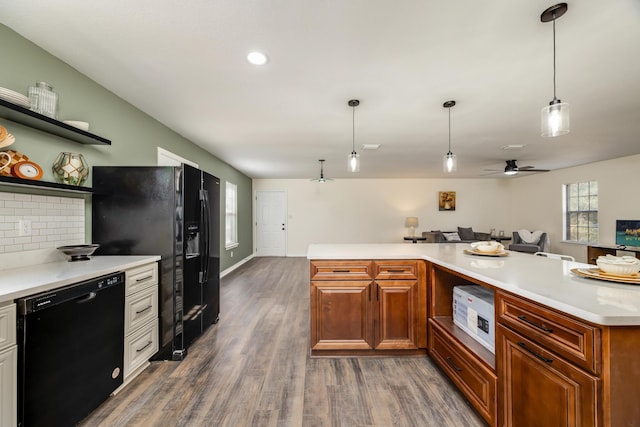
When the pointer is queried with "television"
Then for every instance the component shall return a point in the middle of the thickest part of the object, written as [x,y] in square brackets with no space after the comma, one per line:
[628,232]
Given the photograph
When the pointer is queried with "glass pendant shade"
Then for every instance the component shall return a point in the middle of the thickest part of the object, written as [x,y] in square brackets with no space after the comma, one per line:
[353,162]
[449,162]
[555,119]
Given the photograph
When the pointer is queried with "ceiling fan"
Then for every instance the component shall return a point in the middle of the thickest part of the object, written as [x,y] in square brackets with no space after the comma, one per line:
[321,178]
[513,169]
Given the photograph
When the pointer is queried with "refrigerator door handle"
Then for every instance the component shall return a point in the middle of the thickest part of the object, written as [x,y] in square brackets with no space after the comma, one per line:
[206,215]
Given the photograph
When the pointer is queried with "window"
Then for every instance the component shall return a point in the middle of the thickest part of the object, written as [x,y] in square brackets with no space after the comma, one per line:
[581,212]
[231,216]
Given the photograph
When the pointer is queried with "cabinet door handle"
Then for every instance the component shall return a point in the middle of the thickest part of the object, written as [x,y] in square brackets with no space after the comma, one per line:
[541,327]
[342,271]
[539,356]
[144,278]
[453,365]
[144,309]
[396,271]
[143,348]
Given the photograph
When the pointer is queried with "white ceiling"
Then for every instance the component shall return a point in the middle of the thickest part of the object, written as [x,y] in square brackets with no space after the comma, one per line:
[183,63]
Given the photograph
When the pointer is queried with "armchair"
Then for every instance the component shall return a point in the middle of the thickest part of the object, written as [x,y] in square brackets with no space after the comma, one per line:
[519,245]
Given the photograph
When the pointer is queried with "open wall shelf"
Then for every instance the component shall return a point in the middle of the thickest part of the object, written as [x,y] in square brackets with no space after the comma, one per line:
[29,118]
[18,182]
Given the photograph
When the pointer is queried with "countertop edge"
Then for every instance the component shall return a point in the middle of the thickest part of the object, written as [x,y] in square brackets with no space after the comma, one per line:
[119,263]
[413,251]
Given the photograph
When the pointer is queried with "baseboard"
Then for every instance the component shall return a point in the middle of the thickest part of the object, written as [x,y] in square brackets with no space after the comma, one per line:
[235,266]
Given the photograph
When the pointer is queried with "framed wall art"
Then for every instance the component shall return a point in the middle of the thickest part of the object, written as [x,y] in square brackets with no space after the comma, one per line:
[447,200]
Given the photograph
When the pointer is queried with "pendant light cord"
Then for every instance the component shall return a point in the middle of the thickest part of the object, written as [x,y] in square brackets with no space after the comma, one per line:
[353,128]
[449,130]
[554,57]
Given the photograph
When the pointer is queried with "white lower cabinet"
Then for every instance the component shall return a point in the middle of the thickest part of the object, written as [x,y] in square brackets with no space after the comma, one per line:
[139,346]
[141,338]
[8,367]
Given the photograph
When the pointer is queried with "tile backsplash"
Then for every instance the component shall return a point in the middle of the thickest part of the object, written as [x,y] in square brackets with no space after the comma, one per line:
[53,222]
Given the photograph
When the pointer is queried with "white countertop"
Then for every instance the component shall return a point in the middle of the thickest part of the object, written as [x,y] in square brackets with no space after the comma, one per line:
[33,279]
[544,280]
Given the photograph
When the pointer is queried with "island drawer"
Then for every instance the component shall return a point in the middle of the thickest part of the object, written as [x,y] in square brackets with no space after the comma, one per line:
[141,277]
[572,339]
[341,270]
[396,270]
[7,326]
[477,382]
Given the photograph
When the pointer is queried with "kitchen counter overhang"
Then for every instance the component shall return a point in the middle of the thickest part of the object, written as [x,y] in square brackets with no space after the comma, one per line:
[23,281]
[539,279]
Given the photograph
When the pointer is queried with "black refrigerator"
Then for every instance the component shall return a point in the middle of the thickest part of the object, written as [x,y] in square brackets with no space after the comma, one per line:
[173,212]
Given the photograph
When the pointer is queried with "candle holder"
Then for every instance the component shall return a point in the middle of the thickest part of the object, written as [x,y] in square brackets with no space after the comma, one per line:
[70,168]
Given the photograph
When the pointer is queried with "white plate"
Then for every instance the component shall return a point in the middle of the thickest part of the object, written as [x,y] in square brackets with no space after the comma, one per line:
[14,97]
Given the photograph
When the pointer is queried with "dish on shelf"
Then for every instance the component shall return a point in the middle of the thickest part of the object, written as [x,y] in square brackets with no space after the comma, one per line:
[596,273]
[77,124]
[495,254]
[78,252]
[15,97]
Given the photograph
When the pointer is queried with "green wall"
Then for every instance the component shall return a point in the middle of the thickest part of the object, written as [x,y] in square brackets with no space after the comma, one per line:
[134,135]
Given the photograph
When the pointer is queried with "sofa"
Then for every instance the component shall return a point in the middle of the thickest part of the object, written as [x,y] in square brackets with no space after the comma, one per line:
[462,235]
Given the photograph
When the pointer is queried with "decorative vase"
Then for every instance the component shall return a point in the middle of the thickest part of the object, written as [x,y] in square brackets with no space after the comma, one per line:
[70,168]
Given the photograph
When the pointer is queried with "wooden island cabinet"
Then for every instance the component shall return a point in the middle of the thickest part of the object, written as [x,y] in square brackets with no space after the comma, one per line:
[368,307]
[567,349]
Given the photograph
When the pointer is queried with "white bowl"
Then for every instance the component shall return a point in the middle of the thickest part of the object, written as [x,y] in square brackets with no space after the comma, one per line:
[77,124]
[620,266]
[487,247]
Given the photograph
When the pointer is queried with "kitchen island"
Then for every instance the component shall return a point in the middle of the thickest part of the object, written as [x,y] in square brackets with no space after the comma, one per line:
[565,346]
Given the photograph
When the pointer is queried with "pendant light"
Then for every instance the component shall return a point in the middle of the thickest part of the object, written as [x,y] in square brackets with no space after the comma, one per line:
[450,163]
[353,160]
[555,116]
[321,179]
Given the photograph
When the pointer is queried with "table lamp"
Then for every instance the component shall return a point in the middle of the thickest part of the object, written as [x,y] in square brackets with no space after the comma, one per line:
[411,222]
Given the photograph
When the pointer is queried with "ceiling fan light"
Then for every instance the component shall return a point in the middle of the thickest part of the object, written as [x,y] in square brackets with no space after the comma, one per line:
[449,162]
[555,119]
[353,162]
[511,168]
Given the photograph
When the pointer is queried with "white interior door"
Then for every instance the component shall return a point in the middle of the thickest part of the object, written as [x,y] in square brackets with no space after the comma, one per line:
[271,223]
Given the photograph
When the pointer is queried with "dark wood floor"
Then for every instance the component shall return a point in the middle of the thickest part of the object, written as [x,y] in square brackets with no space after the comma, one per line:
[253,369]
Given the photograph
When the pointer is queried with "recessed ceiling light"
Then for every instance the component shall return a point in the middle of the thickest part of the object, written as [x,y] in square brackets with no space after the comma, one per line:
[257,58]
[370,146]
[514,146]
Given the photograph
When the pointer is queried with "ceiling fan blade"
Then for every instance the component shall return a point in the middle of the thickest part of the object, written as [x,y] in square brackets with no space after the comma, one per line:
[531,169]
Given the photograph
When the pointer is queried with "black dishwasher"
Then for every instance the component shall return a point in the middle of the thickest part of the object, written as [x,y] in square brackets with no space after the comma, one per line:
[70,351]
